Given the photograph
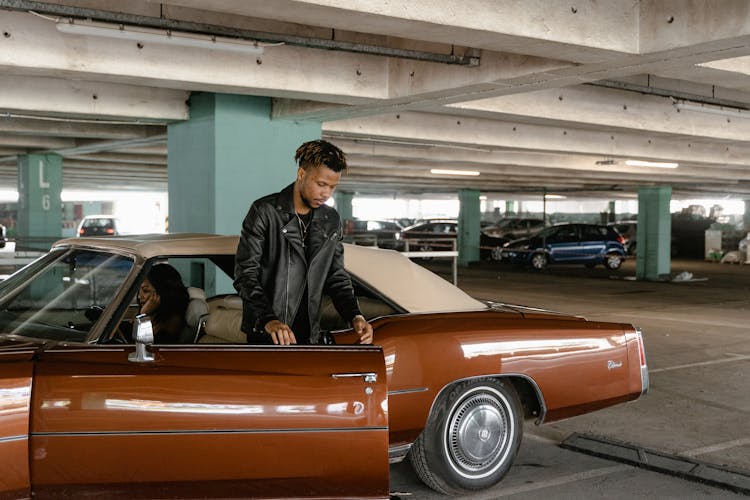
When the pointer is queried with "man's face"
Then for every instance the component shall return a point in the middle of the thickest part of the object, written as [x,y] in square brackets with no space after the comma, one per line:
[316,184]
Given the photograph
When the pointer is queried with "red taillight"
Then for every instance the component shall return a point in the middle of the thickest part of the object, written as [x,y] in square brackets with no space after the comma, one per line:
[621,239]
[110,231]
[80,232]
[641,350]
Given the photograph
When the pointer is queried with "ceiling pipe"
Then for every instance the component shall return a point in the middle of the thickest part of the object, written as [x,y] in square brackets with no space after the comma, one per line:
[251,35]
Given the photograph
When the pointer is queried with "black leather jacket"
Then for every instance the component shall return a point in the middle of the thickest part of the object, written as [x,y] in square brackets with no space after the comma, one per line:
[271,267]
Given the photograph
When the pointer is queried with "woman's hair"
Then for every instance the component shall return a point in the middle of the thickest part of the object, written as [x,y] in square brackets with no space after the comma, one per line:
[173,295]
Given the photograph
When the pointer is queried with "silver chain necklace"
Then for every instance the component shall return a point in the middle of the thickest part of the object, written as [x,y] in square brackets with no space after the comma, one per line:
[303,227]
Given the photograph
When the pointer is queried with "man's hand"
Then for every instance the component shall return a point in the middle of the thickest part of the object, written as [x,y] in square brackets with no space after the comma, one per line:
[363,329]
[281,333]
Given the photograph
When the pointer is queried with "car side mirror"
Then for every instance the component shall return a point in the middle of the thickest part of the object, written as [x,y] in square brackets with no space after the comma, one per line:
[143,335]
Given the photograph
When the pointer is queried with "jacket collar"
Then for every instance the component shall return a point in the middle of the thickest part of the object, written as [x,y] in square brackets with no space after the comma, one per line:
[285,203]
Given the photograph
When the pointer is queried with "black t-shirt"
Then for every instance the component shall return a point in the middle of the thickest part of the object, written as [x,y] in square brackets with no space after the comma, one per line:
[301,324]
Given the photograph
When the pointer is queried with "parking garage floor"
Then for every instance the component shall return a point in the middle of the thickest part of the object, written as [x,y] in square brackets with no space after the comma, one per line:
[697,338]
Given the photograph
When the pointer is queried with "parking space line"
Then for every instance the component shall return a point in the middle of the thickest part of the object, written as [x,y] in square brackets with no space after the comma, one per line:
[716,447]
[700,363]
[572,478]
[677,319]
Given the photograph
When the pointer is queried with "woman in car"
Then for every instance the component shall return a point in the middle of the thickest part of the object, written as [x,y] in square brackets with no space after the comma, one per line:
[164,298]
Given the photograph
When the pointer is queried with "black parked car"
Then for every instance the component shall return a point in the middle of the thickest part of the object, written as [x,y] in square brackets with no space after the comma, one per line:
[514,228]
[381,233]
[588,244]
[492,238]
[434,234]
[99,225]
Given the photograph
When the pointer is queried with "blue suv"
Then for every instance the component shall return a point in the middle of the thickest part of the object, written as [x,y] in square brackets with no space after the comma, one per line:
[588,244]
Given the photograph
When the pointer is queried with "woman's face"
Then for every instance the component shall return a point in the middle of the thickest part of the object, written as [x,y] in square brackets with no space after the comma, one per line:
[148,299]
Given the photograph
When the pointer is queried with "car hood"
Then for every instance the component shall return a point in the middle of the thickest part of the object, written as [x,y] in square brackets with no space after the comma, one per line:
[531,312]
[13,348]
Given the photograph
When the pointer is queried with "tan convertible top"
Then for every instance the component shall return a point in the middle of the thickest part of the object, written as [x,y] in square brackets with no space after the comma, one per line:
[407,284]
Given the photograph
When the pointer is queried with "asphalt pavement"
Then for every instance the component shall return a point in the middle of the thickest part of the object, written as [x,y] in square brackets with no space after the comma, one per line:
[696,412]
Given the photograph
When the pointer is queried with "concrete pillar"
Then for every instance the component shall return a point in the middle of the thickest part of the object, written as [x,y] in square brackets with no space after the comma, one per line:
[343,204]
[39,204]
[746,216]
[468,226]
[228,154]
[343,200]
[654,234]
[612,212]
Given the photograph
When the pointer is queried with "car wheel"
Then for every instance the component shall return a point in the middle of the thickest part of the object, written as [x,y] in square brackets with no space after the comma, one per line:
[613,261]
[471,438]
[496,254]
[539,261]
[426,248]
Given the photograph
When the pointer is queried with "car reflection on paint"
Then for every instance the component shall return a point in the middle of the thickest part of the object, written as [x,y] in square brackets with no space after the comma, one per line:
[94,406]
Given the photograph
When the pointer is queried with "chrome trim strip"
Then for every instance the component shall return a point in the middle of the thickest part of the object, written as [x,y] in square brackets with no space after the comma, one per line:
[206,431]
[397,454]
[10,439]
[407,391]
[71,347]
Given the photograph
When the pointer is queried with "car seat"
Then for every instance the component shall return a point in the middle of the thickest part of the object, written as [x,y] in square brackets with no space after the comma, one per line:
[195,315]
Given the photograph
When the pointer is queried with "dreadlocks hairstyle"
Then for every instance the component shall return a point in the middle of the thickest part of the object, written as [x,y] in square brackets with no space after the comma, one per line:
[320,152]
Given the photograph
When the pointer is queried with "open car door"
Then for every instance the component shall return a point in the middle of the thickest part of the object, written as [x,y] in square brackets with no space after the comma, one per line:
[210,421]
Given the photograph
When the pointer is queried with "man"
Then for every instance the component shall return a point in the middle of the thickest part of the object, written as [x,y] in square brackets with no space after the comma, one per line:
[290,253]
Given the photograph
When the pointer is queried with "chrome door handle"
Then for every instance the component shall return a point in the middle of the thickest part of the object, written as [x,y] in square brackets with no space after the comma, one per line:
[369,377]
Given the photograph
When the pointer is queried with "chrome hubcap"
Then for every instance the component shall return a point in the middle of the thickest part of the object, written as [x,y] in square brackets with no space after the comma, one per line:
[477,435]
[538,261]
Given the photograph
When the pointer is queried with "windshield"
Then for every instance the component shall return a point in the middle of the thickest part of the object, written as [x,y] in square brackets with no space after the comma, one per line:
[61,296]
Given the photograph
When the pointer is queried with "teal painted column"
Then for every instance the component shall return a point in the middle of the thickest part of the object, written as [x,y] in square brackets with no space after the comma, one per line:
[510,207]
[343,205]
[227,155]
[654,234]
[39,203]
[468,226]
[746,215]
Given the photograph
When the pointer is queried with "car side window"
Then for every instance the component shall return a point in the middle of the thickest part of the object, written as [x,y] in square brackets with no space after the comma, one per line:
[64,300]
[371,305]
[567,235]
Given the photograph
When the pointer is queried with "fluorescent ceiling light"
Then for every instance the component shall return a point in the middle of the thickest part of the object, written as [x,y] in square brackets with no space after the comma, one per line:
[714,110]
[440,171]
[162,37]
[657,164]
[555,197]
[483,198]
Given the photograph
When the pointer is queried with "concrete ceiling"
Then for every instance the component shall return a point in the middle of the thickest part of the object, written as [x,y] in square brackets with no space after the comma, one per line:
[534,94]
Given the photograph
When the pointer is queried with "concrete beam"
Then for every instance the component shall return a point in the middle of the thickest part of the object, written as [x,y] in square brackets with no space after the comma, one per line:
[38,143]
[670,24]
[46,127]
[604,108]
[594,28]
[466,132]
[542,165]
[85,99]
[122,158]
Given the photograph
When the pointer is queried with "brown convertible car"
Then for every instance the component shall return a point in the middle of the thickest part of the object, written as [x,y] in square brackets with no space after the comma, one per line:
[86,411]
